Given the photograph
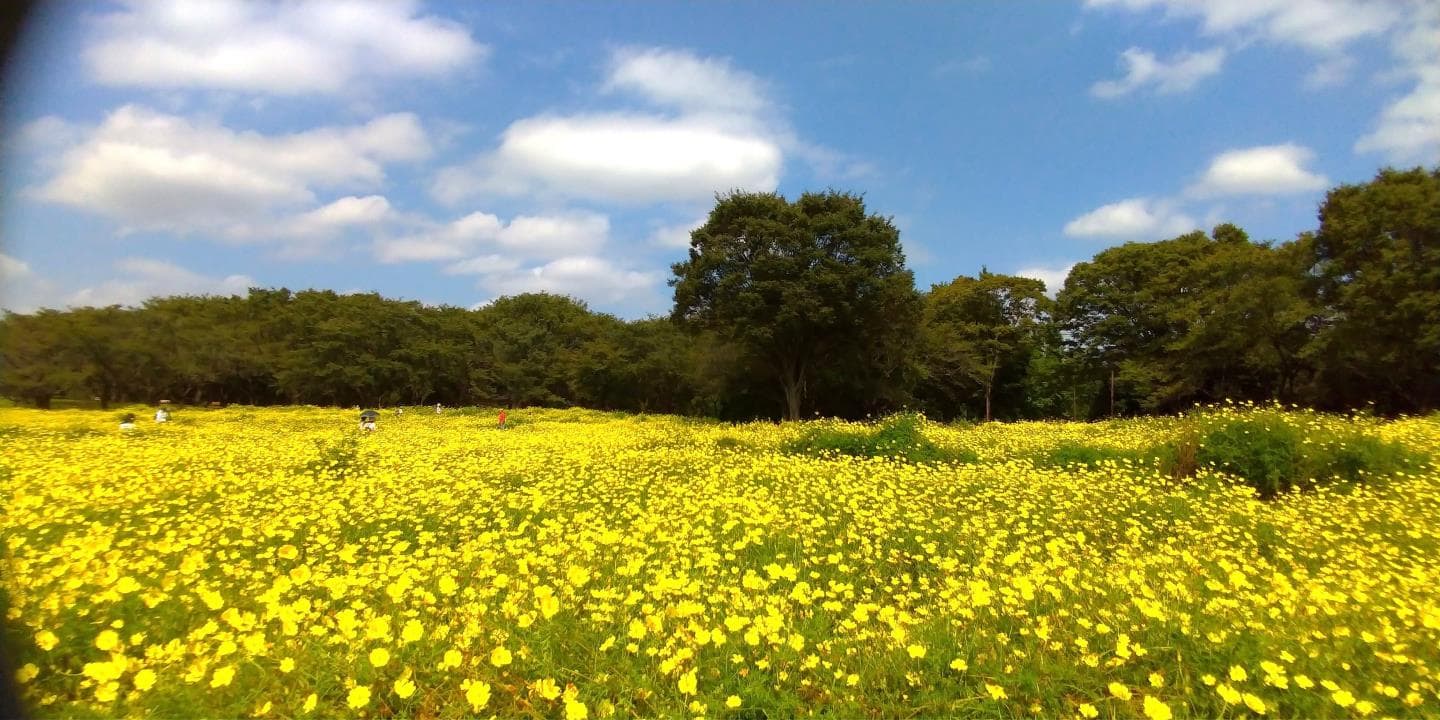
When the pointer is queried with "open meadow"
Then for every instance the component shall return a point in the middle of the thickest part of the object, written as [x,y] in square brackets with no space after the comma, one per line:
[279,563]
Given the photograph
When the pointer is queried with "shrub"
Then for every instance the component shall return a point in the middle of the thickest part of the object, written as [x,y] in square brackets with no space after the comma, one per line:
[1068,454]
[1266,455]
[1273,457]
[900,436]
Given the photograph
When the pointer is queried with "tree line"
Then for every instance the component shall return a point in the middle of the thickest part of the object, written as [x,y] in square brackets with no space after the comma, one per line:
[805,307]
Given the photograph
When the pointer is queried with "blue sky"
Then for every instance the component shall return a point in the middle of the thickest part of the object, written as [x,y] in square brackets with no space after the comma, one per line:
[454,153]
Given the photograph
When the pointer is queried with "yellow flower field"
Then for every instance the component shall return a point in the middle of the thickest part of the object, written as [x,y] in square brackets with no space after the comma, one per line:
[278,563]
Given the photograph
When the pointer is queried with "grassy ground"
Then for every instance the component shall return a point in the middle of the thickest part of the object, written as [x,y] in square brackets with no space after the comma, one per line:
[276,562]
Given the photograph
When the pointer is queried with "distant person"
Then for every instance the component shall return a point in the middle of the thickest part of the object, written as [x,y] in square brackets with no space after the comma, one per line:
[367,420]
[399,411]
[127,422]
[502,418]
[162,415]
[437,408]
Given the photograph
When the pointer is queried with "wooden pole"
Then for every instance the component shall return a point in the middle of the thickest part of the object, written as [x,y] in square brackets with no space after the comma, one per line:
[1112,392]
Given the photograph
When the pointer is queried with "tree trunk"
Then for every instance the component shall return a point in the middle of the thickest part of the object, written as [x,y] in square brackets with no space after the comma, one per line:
[792,380]
[988,387]
[792,398]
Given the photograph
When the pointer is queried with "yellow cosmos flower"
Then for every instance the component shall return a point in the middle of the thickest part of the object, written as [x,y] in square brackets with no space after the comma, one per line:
[546,688]
[1119,690]
[358,697]
[733,702]
[403,687]
[1253,702]
[222,676]
[477,694]
[310,701]
[46,640]
[1237,673]
[576,710]
[107,640]
[996,692]
[412,631]
[28,671]
[1156,710]
[1088,710]
[144,680]
[500,657]
[1343,698]
[379,657]
[688,683]
[916,651]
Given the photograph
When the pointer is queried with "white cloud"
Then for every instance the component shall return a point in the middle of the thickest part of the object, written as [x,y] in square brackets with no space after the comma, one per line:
[150,170]
[143,278]
[351,211]
[1264,170]
[967,66]
[1320,25]
[676,235]
[524,237]
[708,128]
[12,269]
[554,236]
[21,288]
[680,79]
[1331,71]
[483,265]
[583,276]
[1179,74]
[446,242]
[1132,219]
[290,48]
[618,158]
[1408,130]
[1053,277]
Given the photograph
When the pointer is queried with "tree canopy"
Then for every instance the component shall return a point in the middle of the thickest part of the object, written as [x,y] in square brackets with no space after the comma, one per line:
[785,308]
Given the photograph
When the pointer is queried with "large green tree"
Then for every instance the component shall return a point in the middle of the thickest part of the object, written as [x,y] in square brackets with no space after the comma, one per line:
[973,327]
[798,286]
[1377,257]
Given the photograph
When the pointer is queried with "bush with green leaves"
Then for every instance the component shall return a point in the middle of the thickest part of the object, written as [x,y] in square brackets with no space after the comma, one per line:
[900,436]
[1274,456]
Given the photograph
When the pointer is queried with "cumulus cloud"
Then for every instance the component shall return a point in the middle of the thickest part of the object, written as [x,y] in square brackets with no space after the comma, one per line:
[1264,170]
[21,288]
[682,80]
[1408,127]
[12,269]
[584,276]
[290,48]
[1330,72]
[1179,74]
[710,129]
[524,237]
[1321,25]
[139,279]
[1053,277]
[624,158]
[1408,130]
[676,235]
[151,170]
[1132,219]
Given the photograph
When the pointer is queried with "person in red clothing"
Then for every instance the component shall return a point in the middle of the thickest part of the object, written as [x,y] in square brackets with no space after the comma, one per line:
[502,418]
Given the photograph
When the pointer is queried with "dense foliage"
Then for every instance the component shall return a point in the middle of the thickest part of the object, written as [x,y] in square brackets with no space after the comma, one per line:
[805,308]
[280,563]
